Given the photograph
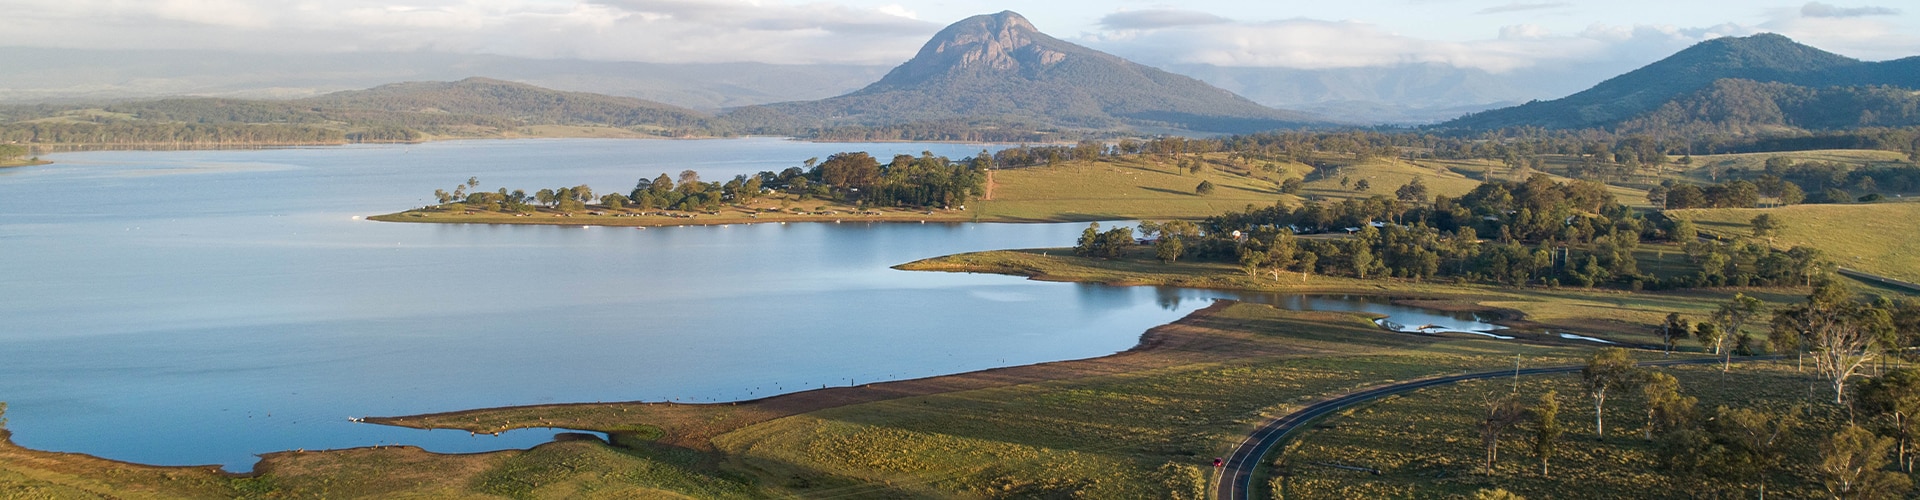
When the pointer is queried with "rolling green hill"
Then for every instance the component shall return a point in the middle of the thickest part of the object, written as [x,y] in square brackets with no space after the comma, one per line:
[1876,238]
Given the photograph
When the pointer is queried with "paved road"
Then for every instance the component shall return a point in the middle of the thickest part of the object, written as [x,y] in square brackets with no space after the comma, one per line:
[1235,480]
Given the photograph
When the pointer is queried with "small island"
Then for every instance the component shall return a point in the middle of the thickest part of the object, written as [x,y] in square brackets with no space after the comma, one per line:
[15,155]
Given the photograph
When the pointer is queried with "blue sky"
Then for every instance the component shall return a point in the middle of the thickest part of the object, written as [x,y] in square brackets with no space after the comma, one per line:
[1495,35]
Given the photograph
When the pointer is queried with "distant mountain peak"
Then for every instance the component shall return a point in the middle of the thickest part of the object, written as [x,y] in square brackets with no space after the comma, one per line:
[999,67]
[1763,51]
[1003,43]
[1763,58]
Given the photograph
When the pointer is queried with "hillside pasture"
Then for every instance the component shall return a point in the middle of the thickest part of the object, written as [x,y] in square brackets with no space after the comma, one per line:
[1875,238]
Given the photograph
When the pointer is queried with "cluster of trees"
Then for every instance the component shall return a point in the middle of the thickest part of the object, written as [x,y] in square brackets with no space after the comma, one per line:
[689,194]
[1868,454]
[1842,336]
[947,130]
[1833,181]
[1902,139]
[1103,244]
[1733,194]
[923,181]
[13,151]
[1745,263]
[1530,212]
[1541,232]
[1785,182]
[856,177]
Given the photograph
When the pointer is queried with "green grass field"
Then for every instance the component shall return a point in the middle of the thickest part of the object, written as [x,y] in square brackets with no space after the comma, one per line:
[1875,238]
[1425,445]
[1386,175]
[1132,187]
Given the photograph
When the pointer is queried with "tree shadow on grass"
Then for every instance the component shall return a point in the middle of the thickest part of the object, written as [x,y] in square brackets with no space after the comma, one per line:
[1169,191]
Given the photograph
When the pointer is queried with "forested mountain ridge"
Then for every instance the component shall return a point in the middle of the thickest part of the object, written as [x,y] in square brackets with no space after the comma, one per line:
[1692,73]
[518,101]
[1745,107]
[1000,68]
[396,112]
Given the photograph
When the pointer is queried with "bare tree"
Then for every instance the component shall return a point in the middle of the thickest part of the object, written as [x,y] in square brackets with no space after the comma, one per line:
[1502,413]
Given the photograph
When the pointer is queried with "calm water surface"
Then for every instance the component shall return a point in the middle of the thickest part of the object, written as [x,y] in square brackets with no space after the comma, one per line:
[201,307]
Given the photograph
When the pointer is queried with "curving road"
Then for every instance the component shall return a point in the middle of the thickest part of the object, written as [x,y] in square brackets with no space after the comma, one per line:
[1235,480]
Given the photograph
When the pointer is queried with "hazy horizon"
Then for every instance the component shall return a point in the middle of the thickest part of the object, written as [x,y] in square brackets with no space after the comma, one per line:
[1388,61]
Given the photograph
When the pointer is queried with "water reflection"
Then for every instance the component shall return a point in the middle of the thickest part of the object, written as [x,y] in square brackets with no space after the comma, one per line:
[1169,298]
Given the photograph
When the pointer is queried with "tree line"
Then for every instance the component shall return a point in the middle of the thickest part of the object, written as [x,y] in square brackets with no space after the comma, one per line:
[1538,232]
[130,133]
[851,177]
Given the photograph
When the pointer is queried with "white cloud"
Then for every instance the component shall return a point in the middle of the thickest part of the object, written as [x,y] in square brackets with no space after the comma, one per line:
[641,30]
[1817,9]
[1157,19]
[1870,39]
[897,10]
[1317,44]
[1522,7]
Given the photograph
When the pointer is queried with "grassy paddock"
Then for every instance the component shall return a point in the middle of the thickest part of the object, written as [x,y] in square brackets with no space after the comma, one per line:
[1876,238]
[1424,443]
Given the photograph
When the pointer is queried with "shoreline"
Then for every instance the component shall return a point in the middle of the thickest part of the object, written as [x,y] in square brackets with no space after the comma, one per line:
[32,163]
[56,148]
[1154,340]
[545,219]
[1462,300]
[647,221]
[1158,340]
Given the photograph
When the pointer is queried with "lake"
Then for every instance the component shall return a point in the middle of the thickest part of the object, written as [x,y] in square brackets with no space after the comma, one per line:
[201,307]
